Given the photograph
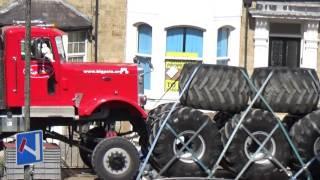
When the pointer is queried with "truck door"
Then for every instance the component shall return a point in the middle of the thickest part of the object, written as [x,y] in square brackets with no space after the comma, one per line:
[42,71]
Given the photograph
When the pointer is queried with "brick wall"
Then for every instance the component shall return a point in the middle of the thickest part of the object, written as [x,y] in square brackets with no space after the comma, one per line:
[112,26]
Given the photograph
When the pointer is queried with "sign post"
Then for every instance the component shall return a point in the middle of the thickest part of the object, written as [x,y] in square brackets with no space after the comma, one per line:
[29,150]
[27,169]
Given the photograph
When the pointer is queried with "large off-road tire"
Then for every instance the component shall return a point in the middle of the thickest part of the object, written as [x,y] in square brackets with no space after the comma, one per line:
[156,113]
[259,123]
[115,158]
[206,145]
[291,90]
[306,137]
[221,118]
[89,142]
[214,87]
[290,119]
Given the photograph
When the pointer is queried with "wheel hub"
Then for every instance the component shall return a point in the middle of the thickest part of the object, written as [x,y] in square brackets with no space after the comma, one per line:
[116,161]
[197,145]
[250,147]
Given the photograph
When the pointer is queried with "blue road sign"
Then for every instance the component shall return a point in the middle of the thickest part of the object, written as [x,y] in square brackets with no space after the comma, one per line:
[29,147]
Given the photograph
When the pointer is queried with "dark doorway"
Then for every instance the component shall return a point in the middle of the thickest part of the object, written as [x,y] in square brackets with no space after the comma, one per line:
[284,51]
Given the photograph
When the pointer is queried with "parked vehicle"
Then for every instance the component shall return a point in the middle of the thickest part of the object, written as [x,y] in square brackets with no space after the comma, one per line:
[74,95]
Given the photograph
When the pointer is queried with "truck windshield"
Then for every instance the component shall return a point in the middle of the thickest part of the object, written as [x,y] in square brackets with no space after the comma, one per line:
[61,52]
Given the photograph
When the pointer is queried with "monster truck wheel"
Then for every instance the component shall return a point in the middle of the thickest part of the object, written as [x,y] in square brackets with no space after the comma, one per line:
[88,142]
[289,120]
[306,137]
[214,87]
[221,118]
[115,158]
[153,116]
[290,90]
[259,123]
[206,145]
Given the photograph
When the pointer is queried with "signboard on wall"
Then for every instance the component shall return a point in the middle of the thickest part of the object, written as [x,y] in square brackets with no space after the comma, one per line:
[172,72]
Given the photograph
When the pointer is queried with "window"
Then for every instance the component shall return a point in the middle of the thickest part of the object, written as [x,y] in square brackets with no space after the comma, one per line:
[144,39]
[144,52]
[60,48]
[223,45]
[40,49]
[77,46]
[185,40]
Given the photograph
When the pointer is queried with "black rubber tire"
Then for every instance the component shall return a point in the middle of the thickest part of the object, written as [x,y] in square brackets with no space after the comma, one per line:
[108,144]
[304,135]
[185,119]
[214,87]
[256,121]
[221,118]
[290,90]
[155,115]
[289,120]
[85,156]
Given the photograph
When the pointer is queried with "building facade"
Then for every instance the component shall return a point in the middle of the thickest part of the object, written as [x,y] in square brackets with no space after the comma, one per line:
[163,35]
[81,41]
[283,33]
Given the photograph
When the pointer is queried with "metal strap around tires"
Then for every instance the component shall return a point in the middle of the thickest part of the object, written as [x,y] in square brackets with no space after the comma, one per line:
[283,129]
[275,160]
[257,151]
[305,167]
[164,123]
[185,146]
[314,80]
[191,178]
[216,166]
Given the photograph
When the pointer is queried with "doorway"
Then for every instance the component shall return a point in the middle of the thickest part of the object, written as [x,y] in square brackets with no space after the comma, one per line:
[284,52]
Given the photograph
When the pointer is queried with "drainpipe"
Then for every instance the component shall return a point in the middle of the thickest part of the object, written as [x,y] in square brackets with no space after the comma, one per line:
[247,4]
[96,32]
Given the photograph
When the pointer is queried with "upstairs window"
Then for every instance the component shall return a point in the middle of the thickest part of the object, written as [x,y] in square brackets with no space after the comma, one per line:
[223,45]
[77,46]
[144,53]
[185,40]
[144,39]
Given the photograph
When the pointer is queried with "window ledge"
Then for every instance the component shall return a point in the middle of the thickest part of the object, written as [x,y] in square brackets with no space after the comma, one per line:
[183,58]
[143,55]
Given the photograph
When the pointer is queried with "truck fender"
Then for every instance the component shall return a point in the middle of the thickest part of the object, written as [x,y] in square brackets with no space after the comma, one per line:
[86,109]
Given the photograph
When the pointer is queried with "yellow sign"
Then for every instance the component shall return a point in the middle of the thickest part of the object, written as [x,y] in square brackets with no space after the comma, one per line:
[182,54]
[172,73]
[172,85]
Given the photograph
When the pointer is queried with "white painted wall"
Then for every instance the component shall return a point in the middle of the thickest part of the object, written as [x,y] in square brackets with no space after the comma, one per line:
[160,14]
[309,42]
[261,43]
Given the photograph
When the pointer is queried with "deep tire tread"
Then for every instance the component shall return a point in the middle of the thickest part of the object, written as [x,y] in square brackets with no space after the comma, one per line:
[290,90]
[214,87]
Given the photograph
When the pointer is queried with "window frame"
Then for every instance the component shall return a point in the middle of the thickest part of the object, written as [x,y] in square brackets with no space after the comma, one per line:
[224,59]
[33,57]
[145,56]
[184,43]
[82,55]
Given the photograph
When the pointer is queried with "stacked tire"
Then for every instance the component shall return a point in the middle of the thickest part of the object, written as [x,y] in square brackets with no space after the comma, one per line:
[306,137]
[290,90]
[206,146]
[225,89]
[214,87]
